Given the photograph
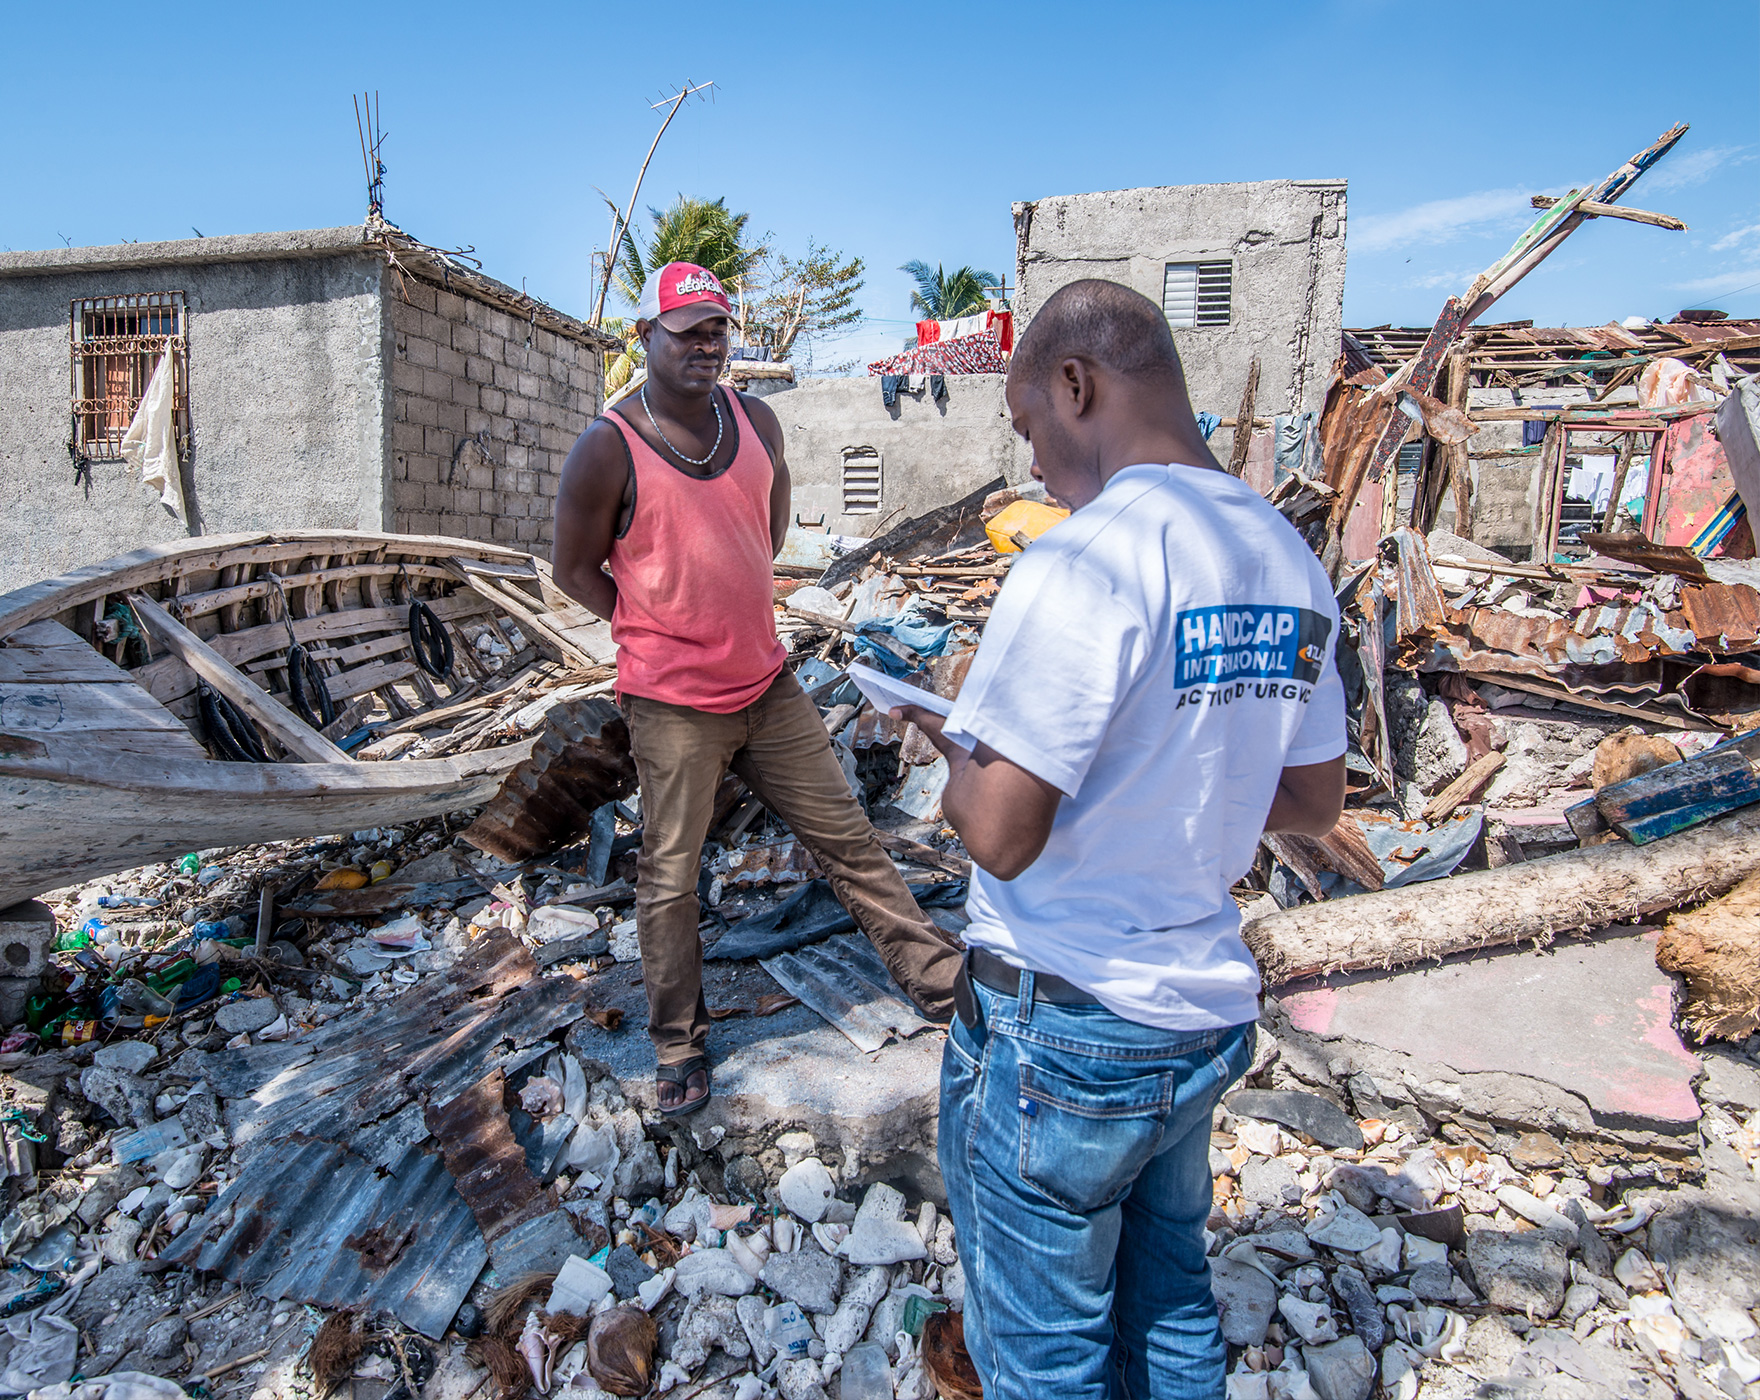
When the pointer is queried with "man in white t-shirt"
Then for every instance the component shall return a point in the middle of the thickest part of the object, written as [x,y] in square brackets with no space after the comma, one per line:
[1155,689]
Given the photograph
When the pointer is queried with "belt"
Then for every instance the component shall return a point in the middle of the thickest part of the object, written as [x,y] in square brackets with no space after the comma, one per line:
[998,976]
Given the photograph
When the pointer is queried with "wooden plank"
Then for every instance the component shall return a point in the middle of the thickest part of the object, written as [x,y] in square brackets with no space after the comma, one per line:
[1595,209]
[200,604]
[1684,794]
[47,651]
[283,725]
[27,707]
[349,684]
[1243,432]
[1464,788]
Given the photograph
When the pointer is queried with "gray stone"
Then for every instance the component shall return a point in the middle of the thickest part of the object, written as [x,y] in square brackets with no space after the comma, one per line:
[1368,1320]
[1313,1322]
[1520,1272]
[1219,1163]
[709,1322]
[640,1172]
[126,1056]
[1245,1299]
[127,1098]
[1432,1282]
[1439,755]
[1265,1181]
[1597,1257]
[882,1242]
[628,1270]
[1306,1113]
[745,1180]
[809,1277]
[248,1015]
[1282,1244]
[1578,1299]
[102,1195]
[165,1339]
[27,940]
[1729,1081]
[1342,1370]
[806,1189]
[861,1292]
[1348,1230]
[712,1271]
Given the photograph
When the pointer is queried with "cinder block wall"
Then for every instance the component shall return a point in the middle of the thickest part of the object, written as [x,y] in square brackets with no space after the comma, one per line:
[484,408]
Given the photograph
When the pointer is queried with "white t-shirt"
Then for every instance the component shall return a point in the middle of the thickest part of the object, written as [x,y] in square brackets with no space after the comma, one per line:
[1159,657]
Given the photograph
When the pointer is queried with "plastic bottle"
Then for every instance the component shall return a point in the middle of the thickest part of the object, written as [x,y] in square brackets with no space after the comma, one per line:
[126,901]
[71,940]
[189,864]
[132,994]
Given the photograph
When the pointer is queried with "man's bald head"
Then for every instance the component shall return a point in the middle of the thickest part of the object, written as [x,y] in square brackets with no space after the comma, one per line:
[1104,323]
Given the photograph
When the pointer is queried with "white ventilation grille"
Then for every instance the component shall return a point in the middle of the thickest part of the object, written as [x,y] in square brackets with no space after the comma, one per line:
[1198,294]
[861,481]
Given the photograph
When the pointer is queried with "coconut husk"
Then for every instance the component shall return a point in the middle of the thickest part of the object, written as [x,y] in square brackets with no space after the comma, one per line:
[568,1328]
[1717,949]
[336,1348]
[946,1360]
[505,1313]
[506,1367]
[620,1350]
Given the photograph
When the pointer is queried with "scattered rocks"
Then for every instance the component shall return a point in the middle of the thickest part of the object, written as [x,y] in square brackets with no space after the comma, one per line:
[1312,1322]
[1345,1229]
[1265,1181]
[1306,1113]
[1368,1320]
[246,1016]
[808,1277]
[628,1271]
[712,1271]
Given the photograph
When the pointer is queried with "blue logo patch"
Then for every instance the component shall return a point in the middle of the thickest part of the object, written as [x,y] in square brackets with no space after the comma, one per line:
[1247,641]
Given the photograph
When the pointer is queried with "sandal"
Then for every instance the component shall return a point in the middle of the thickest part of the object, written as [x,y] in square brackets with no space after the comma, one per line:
[680,1075]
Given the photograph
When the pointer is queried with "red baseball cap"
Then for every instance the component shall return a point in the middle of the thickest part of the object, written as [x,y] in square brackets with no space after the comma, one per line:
[681,295]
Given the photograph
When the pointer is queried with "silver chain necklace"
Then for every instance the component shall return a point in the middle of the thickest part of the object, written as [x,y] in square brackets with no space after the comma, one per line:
[694,461]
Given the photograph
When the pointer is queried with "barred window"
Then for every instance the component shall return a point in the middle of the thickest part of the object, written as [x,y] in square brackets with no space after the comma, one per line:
[117,343]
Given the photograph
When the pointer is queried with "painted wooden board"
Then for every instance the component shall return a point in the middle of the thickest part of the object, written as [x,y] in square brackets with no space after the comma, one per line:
[1681,795]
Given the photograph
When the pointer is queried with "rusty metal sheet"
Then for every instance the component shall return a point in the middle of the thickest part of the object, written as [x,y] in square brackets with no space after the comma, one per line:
[1725,615]
[775,862]
[340,1198]
[487,1164]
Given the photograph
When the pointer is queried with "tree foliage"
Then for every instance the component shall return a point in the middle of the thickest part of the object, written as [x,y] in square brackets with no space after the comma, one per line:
[701,231]
[793,302]
[946,296]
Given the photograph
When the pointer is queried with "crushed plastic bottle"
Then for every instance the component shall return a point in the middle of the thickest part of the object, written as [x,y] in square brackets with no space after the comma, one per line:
[127,901]
[867,1374]
[71,940]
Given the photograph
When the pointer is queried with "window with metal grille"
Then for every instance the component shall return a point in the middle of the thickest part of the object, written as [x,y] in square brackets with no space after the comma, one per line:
[861,480]
[117,344]
[1197,294]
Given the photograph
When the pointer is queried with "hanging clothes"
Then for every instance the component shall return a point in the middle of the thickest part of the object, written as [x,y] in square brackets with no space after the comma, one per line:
[1207,424]
[889,388]
[150,444]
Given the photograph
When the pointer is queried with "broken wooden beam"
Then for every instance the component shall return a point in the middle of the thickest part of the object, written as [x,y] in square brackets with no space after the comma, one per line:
[1465,788]
[1530,902]
[1675,796]
[285,727]
[1243,419]
[1595,209]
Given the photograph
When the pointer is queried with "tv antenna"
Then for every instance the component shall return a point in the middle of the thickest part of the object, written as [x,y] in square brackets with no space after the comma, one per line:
[621,222]
[372,139]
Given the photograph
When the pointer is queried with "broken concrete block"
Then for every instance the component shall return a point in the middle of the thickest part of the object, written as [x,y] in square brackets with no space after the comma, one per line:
[1266,1181]
[808,1277]
[1343,1370]
[127,1098]
[712,1271]
[247,1016]
[807,1190]
[861,1293]
[27,940]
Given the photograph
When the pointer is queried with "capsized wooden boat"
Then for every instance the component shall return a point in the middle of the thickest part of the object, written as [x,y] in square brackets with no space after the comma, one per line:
[106,761]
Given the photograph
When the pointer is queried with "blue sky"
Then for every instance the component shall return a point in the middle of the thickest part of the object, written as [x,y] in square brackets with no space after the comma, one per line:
[896,132]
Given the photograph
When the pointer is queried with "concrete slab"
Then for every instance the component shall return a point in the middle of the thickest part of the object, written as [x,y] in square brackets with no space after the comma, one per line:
[1592,1016]
[872,1115]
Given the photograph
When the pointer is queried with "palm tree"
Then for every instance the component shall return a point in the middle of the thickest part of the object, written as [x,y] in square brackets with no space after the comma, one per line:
[701,231]
[946,296]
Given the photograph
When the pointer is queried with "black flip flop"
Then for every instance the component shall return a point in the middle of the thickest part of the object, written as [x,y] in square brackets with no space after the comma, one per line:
[680,1074]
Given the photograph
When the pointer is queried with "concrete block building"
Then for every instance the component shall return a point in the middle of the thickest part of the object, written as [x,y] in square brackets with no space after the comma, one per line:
[1243,270]
[344,378]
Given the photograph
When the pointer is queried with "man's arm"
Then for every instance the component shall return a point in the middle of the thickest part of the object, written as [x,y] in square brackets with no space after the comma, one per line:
[1002,812]
[1309,799]
[595,486]
[770,429]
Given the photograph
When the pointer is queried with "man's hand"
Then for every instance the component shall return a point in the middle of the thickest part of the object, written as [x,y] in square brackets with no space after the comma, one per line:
[1002,812]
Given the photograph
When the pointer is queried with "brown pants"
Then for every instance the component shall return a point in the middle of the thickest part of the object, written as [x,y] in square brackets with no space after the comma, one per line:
[778,746]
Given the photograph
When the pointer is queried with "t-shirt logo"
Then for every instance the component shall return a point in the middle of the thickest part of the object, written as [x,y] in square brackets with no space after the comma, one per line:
[1249,641]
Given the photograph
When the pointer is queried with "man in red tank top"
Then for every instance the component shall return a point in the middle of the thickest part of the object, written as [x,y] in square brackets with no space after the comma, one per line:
[668,520]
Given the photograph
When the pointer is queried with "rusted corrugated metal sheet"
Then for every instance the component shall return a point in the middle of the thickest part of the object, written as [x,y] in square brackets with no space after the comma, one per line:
[580,762]
[341,1200]
[1725,615]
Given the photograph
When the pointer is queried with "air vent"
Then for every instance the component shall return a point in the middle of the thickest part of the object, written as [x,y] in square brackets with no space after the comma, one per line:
[1198,294]
[861,481]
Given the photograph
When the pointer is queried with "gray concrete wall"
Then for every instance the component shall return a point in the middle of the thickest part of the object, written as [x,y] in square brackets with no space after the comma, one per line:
[287,408]
[1285,238]
[932,450]
[484,408]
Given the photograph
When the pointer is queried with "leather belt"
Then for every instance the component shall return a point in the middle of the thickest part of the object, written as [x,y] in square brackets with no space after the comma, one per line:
[998,976]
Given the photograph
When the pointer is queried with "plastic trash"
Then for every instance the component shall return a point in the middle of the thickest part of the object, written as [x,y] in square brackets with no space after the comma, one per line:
[127,901]
[867,1374]
[189,864]
[787,1329]
[344,879]
[1028,519]
[134,995]
[42,1354]
[56,1252]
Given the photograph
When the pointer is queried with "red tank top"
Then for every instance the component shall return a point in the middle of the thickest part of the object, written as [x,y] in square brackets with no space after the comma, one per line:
[695,622]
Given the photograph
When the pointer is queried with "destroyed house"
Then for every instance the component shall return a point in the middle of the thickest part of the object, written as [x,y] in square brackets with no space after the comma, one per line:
[1563,424]
[343,378]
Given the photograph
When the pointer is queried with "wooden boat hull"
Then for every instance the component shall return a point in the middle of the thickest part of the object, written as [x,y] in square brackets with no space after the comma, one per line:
[102,767]
[67,822]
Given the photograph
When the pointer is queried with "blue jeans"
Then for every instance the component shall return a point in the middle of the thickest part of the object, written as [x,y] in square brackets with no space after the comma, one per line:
[1075,1148]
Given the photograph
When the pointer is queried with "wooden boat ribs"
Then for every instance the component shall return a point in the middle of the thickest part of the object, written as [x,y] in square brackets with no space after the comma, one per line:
[105,762]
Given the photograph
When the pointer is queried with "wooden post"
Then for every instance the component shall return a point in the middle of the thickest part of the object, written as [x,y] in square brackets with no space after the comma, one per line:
[1243,423]
[1459,469]
[1621,471]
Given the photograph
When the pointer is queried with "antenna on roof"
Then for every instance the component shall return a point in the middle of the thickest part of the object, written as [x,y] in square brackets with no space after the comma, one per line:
[372,139]
[621,222]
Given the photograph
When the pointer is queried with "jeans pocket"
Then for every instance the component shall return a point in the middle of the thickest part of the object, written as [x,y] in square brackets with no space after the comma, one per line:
[1084,1141]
